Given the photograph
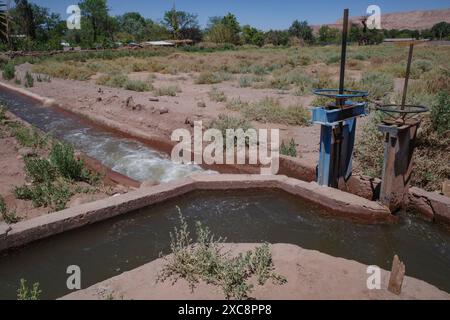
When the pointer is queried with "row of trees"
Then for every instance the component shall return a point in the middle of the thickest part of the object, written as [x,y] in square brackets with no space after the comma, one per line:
[28,26]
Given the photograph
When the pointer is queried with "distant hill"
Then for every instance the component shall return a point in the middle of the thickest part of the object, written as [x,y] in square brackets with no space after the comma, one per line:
[403,20]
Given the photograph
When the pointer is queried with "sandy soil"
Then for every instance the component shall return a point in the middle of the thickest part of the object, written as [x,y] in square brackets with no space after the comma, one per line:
[12,174]
[310,275]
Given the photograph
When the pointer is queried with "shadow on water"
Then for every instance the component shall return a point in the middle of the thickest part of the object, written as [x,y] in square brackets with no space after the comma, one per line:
[109,248]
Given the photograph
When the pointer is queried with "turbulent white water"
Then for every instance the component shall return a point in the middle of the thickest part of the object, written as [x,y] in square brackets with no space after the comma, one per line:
[125,156]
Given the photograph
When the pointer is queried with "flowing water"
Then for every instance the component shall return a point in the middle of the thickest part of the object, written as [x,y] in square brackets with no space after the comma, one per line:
[109,248]
[125,156]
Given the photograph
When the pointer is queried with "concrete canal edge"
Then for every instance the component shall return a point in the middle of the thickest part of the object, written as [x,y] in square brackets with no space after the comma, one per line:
[431,206]
[336,202]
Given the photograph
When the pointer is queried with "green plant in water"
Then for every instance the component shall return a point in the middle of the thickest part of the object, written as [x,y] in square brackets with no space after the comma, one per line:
[26,293]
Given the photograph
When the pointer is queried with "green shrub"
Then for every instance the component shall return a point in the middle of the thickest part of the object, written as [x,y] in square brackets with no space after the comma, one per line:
[440,113]
[26,293]
[29,137]
[115,80]
[39,170]
[377,84]
[137,85]
[47,194]
[9,71]
[205,261]
[29,80]
[62,156]
[289,150]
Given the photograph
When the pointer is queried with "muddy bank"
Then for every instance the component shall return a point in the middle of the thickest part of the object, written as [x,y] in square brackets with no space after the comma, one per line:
[309,274]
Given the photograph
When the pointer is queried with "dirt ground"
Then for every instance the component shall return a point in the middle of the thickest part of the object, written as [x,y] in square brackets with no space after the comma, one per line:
[310,275]
[12,174]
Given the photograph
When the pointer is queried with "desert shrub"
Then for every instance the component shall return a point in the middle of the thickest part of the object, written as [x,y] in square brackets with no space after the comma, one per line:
[290,149]
[170,91]
[29,80]
[333,59]
[47,194]
[437,80]
[29,137]
[115,80]
[418,94]
[206,261]
[224,122]
[18,81]
[245,81]
[432,154]
[369,150]
[270,110]
[9,71]
[136,85]
[64,70]
[39,170]
[26,293]
[217,96]
[62,157]
[213,77]
[422,66]
[377,84]
[440,113]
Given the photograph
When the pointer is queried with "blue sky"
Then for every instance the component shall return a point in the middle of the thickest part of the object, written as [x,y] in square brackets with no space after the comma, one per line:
[263,14]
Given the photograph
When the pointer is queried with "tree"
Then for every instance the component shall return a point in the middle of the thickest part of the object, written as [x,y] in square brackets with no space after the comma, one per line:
[224,29]
[441,30]
[276,37]
[302,31]
[95,13]
[231,23]
[252,35]
[181,24]
[132,23]
[5,21]
[328,35]
[24,19]
[155,31]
